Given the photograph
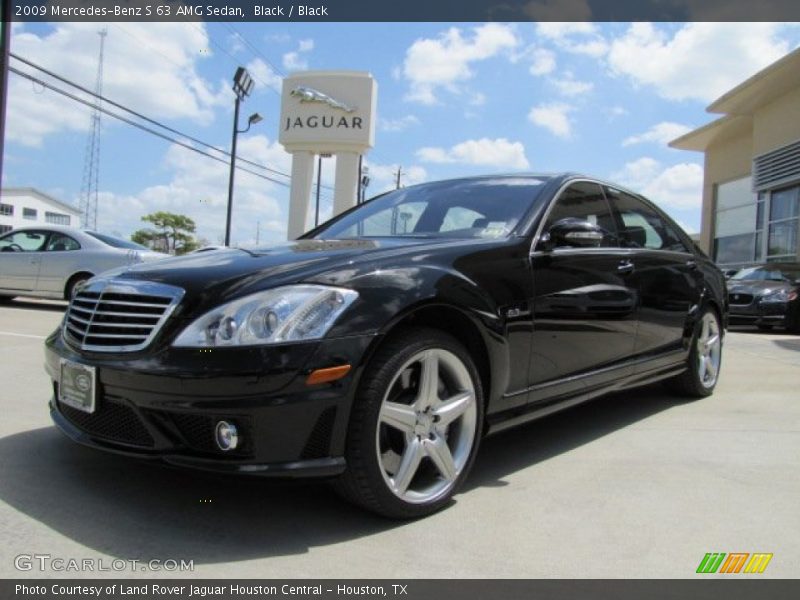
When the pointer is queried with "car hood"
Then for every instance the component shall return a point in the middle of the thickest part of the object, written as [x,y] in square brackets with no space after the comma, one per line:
[224,274]
[757,288]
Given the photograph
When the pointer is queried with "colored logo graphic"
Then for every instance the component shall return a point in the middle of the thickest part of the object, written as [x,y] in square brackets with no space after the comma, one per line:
[735,562]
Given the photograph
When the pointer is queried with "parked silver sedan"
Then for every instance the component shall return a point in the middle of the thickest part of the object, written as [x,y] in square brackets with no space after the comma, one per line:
[51,261]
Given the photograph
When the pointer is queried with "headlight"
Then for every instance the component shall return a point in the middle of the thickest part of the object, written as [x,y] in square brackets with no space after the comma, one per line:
[780,296]
[292,313]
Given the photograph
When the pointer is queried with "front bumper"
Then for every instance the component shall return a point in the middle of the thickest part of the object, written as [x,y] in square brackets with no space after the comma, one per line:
[759,313]
[165,405]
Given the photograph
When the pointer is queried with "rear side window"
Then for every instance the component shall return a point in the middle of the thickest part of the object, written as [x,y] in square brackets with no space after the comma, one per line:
[642,227]
[584,201]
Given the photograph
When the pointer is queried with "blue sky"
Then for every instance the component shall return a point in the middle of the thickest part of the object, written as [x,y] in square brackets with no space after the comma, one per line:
[453,100]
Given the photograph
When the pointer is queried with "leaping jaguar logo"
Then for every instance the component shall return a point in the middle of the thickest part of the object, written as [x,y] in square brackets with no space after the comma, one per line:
[307,94]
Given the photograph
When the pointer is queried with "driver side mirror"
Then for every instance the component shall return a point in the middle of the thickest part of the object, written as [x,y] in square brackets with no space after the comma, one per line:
[575,233]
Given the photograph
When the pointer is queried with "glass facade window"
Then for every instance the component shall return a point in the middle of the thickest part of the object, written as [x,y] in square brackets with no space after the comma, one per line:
[56,218]
[6,210]
[763,229]
[784,207]
[734,249]
[29,214]
[5,229]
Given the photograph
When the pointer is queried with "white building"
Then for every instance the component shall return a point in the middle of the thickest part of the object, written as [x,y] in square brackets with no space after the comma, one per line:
[21,207]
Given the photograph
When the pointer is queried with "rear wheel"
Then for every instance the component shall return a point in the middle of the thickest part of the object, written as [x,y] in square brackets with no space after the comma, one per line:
[705,359]
[415,426]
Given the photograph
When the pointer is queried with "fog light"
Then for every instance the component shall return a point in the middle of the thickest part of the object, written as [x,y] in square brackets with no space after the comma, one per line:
[227,436]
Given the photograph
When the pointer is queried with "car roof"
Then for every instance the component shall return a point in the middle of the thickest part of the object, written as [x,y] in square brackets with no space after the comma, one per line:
[555,178]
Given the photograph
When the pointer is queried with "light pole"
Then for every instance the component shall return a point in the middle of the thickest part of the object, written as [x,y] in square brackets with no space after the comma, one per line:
[242,87]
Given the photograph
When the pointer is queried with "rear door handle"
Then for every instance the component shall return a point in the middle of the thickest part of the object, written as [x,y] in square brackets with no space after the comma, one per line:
[625,267]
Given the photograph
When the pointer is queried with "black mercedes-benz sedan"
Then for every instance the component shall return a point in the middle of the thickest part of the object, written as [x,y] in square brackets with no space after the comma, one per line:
[766,296]
[379,348]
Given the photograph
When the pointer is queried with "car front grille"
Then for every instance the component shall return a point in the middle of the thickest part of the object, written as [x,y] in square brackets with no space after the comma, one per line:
[739,299]
[118,316]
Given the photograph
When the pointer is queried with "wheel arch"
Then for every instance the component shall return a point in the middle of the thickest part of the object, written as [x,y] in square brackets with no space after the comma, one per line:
[456,322]
[72,278]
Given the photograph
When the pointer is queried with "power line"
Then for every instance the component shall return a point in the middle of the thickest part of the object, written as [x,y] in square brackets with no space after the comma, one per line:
[253,48]
[139,125]
[143,117]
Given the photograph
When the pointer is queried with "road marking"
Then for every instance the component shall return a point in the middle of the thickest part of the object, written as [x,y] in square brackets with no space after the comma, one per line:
[25,335]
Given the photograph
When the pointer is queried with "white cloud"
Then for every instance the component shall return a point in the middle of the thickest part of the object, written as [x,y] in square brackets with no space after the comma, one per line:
[554,117]
[576,38]
[446,61]
[543,62]
[569,86]
[264,75]
[660,133]
[297,60]
[399,124]
[151,67]
[558,31]
[675,187]
[700,61]
[197,187]
[483,152]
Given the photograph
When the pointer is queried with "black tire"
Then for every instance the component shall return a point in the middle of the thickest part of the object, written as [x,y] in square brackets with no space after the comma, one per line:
[365,482]
[6,299]
[77,280]
[689,383]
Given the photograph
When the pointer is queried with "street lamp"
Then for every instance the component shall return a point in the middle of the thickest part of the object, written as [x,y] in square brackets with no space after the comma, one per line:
[242,86]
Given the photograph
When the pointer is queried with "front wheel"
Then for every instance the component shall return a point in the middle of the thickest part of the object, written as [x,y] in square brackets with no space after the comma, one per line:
[415,426]
[705,359]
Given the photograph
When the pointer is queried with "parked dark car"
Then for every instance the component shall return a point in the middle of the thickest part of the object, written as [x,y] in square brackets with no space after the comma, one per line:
[766,296]
[379,348]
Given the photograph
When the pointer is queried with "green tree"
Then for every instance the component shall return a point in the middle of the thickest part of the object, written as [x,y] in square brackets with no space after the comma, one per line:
[171,233]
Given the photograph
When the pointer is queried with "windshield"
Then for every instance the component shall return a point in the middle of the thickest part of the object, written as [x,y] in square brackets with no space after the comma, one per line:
[477,208]
[116,242]
[768,273]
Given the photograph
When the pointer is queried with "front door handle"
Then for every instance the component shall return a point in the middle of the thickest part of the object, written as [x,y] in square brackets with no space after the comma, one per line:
[625,267]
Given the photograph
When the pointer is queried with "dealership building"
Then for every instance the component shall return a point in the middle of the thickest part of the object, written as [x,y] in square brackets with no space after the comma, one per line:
[25,206]
[751,187]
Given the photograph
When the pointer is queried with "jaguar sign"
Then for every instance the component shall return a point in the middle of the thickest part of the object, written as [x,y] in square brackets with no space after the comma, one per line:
[326,112]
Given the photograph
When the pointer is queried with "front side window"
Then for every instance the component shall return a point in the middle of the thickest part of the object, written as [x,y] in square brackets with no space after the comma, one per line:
[469,208]
[584,201]
[23,241]
[641,226]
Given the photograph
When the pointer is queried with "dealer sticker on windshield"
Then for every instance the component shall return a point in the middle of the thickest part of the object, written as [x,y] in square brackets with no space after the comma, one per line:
[77,386]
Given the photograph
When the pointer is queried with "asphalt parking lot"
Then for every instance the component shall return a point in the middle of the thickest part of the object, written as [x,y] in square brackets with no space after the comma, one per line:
[634,485]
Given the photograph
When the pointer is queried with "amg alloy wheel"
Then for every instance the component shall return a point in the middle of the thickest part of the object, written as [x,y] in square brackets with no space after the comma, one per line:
[705,359]
[422,408]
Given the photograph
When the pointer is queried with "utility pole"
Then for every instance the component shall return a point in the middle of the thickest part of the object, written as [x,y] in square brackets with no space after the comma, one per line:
[258,231]
[91,161]
[399,172]
[5,47]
